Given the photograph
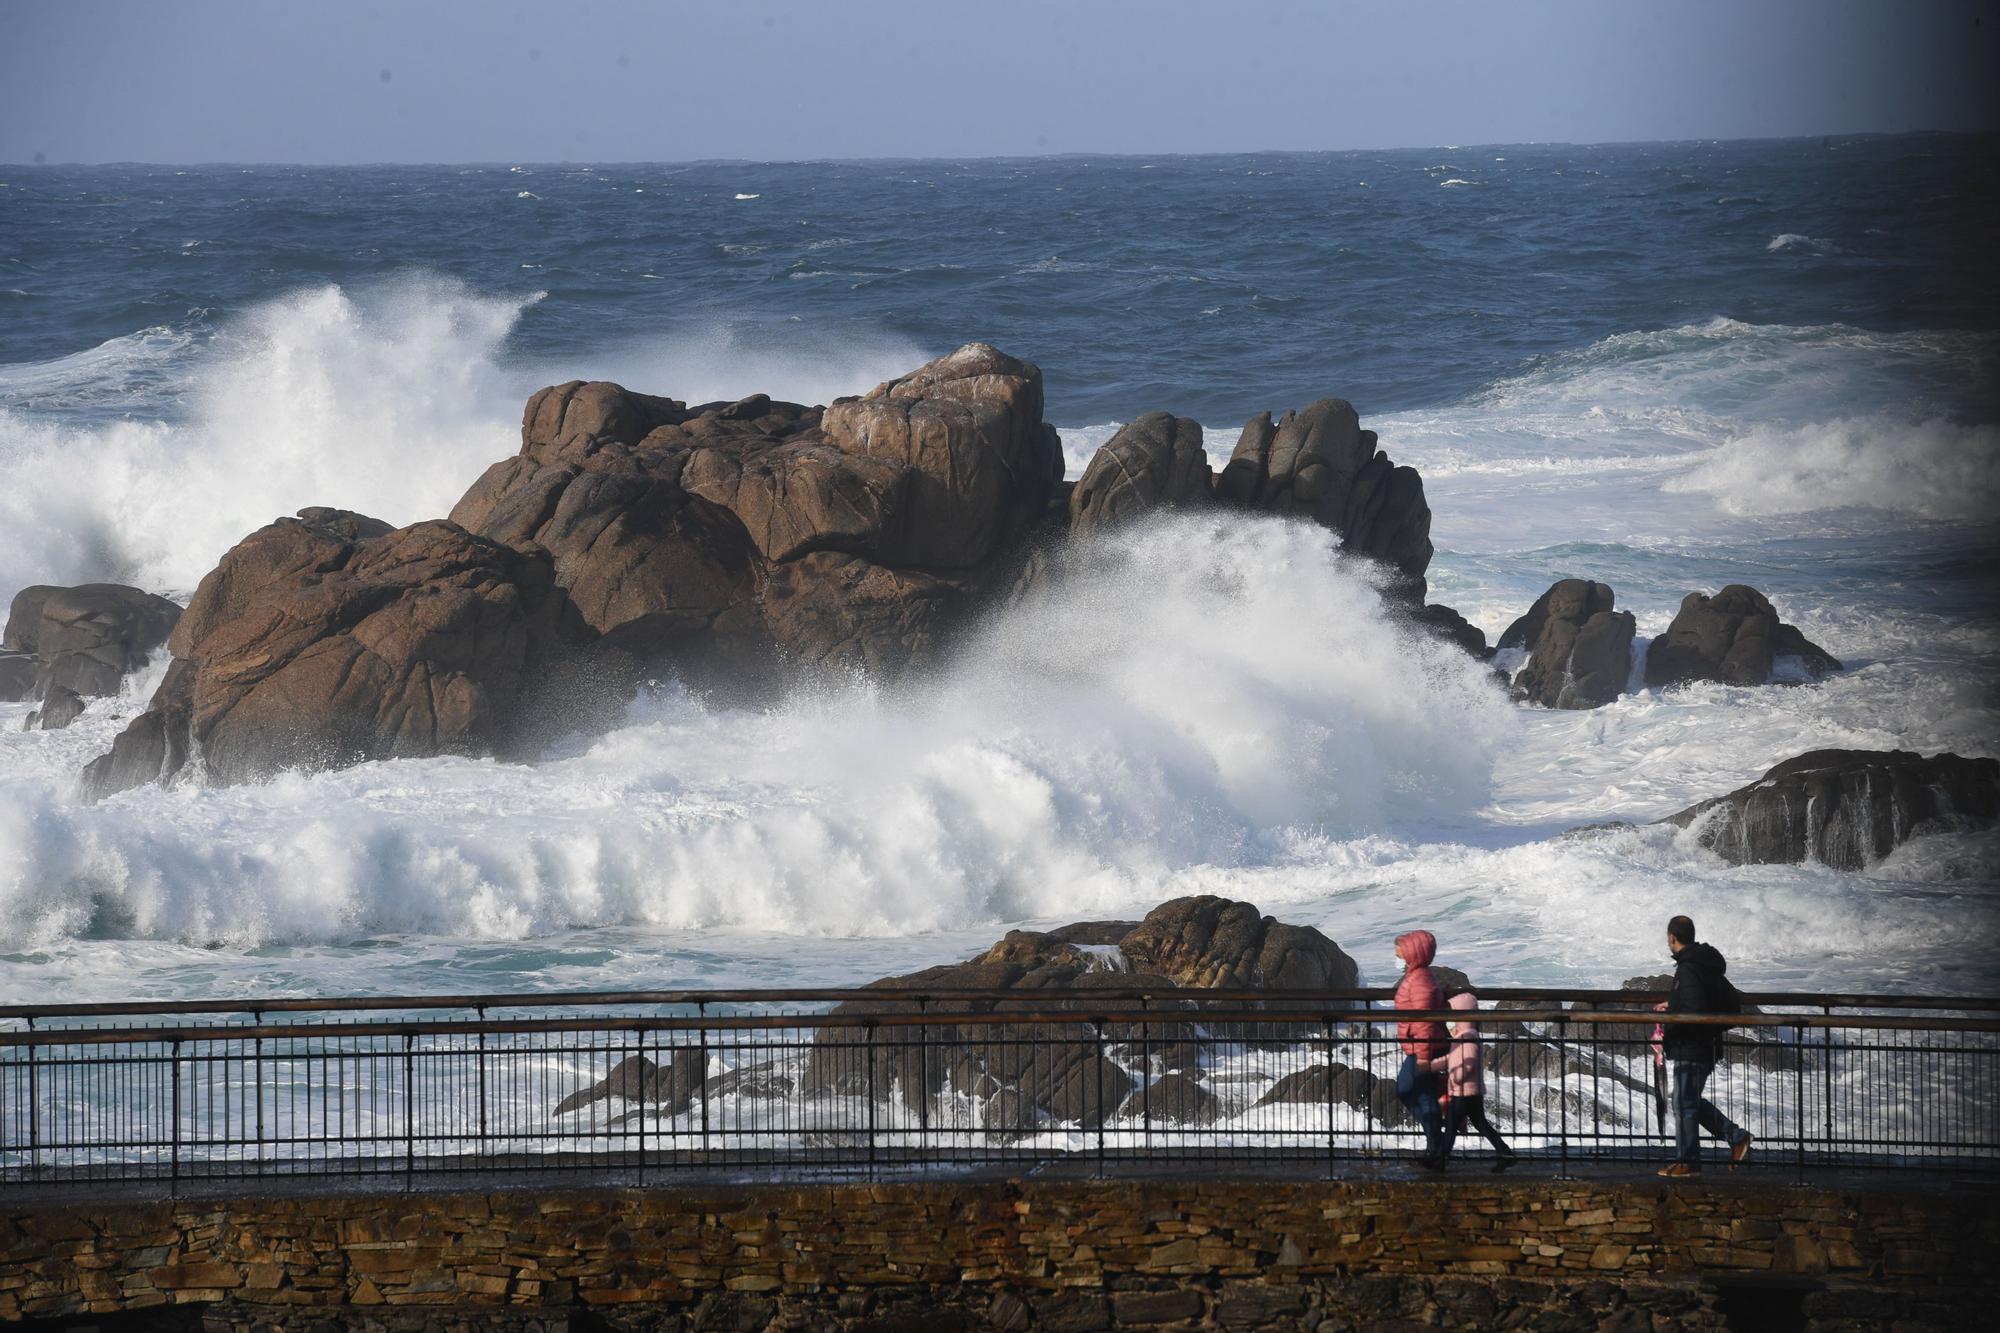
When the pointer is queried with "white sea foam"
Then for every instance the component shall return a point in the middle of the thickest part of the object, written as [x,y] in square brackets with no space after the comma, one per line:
[1809,245]
[1933,469]
[390,401]
[1167,707]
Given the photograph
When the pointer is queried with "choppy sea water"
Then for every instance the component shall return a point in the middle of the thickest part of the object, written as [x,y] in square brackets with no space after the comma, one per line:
[1668,367]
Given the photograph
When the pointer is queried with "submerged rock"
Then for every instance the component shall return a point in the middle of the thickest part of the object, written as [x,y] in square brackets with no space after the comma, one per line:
[328,640]
[1579,648]
[17,676]
[60,707]
[1447,624]
[1734,637]
[1845,809]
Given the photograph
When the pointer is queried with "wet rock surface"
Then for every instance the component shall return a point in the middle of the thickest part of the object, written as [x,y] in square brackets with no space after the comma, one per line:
[327,640]
[1579,648]
[1845,809]
[1734,637]
[63,646]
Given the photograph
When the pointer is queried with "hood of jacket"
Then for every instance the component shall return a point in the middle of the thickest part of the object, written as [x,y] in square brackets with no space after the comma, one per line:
[1467,1002]
[1702,958]
[1418,946]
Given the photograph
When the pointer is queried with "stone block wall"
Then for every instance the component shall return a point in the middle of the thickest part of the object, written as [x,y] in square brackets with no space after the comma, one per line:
[1250,1253]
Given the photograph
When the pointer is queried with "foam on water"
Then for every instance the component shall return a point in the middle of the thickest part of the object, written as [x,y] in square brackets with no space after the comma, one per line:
[1165,706]
[1209,704]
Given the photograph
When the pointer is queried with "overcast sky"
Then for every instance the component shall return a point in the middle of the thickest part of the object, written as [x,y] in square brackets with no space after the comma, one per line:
[322,81]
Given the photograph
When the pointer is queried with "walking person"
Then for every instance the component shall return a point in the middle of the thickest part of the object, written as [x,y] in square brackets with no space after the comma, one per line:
[1700,987]
[1464,1070]
[1422,1041]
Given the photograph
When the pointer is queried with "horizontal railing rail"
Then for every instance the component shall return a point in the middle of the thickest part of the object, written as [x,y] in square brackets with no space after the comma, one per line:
[642,1085]
[837,995]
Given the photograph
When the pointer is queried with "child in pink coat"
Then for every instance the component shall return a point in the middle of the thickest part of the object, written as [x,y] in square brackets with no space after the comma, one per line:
[1464,1073]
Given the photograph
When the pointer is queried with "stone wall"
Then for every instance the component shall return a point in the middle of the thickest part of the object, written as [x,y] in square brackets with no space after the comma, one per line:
[1074,1254]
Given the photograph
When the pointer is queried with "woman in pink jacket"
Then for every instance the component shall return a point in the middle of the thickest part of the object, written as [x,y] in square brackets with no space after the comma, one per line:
[1422,1041]
[1464,1070]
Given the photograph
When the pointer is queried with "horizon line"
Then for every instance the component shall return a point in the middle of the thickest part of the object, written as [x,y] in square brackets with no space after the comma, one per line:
[1003,157]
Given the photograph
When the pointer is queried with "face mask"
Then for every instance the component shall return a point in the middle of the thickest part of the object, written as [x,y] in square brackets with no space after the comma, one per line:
[1400,964]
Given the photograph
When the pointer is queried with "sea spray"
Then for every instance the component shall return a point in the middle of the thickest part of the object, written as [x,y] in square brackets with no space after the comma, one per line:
[1186,693]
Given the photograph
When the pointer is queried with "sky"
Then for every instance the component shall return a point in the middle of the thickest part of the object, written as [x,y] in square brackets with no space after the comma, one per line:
[349,81]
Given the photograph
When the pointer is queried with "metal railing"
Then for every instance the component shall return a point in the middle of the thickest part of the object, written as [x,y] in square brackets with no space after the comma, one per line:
[644,1086]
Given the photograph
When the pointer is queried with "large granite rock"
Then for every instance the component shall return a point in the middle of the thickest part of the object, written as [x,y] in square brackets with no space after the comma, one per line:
[1154,462]
[1845,809]
[329,639]
[1068,1076]
[722,538]
[1579,648]
[1734,637]
[17,676]
[1320,463]
[84,639]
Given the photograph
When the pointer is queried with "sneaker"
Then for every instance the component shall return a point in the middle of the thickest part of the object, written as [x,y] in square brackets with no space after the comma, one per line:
[1677,1170]
[1740,1150]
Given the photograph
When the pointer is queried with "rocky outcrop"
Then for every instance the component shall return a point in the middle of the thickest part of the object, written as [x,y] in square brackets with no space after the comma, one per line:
[329,639]
[1447,624]
[17,676]
[721,537]
[65,645]
[1734,637]
[1074,1077]
[60,707]
[1321,464]
[1845,809]
[1579,649]
[1215,943]
[1154,462]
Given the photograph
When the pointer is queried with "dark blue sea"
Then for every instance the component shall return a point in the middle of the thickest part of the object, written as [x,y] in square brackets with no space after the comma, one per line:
[1665,366]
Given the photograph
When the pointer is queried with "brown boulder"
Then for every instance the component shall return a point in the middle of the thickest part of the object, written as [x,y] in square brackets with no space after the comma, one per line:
[1845,809]
[1155,461]
[1579,648]
[327,641]
[1215,943]
[86,639]
[17,676]
[726,538]
[1320,463]
[1734,637]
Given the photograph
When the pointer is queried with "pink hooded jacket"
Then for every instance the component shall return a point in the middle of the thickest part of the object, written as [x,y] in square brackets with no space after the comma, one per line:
[1419,989]
[1465,1067]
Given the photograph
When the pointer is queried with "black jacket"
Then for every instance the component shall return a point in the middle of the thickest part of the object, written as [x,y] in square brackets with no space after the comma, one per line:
[1699,988]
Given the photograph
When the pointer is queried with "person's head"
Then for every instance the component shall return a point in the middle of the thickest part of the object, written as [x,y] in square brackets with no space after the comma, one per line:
[1680,933]
[1416,948]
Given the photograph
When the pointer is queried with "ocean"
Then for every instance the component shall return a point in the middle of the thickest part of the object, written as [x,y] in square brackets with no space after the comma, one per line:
[1667,367]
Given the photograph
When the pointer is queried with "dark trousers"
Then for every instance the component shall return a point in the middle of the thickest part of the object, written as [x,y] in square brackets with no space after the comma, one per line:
[1694,1112]
[1472,1111]
[1417,1090]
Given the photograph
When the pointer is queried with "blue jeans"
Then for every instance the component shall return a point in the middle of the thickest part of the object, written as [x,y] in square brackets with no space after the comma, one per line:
[1418,1092]
[1694,1112]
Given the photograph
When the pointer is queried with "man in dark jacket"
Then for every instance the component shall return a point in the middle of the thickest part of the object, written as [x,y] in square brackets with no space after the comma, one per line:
[1691,1049]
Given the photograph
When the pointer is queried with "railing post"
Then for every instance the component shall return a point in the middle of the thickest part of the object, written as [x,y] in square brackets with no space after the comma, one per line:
[924,1074]
[257,1089]
[1562,1098]
[34,1111]
[485,1140]
[409,1110]
[871,1097]
[174,1130]
[1799,1094]
[1097,1026]
[1146,1077]
[1832,1149]
[1329,1098]
[639,1047]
